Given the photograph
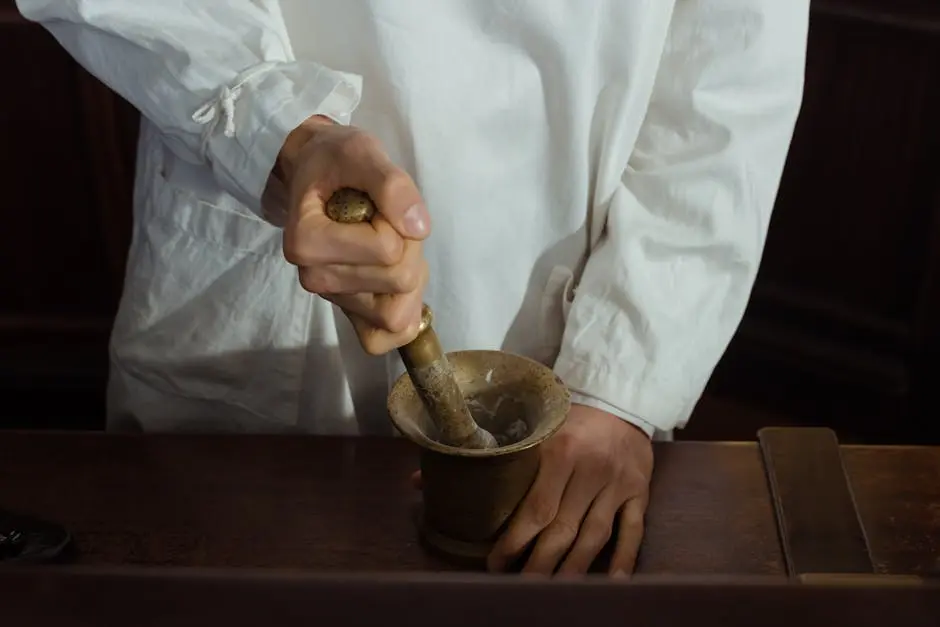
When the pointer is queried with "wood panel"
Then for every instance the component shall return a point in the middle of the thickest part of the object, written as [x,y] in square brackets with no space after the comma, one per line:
[842,330]
[842,327]
[67,174]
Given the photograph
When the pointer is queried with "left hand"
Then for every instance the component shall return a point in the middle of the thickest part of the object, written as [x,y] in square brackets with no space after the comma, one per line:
[593,473]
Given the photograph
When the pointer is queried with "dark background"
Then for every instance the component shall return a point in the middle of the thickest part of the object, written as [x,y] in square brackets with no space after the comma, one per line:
[843,328]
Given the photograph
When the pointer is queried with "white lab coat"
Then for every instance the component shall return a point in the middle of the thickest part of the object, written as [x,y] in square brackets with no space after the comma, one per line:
[600,175]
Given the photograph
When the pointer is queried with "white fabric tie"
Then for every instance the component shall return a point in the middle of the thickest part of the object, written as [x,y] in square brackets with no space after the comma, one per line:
[222,105]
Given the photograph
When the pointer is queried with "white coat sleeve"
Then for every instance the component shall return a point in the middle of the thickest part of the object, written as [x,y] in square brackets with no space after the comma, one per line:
[666,284]
[217,77]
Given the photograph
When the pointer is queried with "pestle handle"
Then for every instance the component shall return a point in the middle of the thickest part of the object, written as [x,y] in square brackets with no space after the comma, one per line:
[424,359]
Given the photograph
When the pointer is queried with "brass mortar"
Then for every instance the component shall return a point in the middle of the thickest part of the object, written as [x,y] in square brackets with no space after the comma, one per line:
[469,494]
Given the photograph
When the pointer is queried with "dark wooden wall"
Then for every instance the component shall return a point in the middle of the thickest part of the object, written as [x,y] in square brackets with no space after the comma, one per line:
[843,328]
[844,324]
[66,171]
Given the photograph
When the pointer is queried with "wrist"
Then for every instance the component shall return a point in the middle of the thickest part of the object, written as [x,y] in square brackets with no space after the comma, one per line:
[287,158]
[633,420]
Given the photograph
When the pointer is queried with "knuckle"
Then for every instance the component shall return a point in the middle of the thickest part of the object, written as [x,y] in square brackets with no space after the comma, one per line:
[300,244]
[633,479]
[406,278]
[293,250]
[373,340]
[605,465]
[394,314]
[395,182]
[396,326]
[565,446]
[633,517]
[316,282]
[563,530]
[390,249]
[385,313]
[374,346]
[543,512]
[596,532]
[357,144]
[395,319]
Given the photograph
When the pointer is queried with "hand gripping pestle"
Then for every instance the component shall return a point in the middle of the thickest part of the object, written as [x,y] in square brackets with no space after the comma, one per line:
[427,365]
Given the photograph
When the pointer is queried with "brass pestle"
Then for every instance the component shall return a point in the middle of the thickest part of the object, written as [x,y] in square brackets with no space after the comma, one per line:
[427,365]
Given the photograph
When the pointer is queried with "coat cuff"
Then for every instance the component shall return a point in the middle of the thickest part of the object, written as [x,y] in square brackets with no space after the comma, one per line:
[577,398]
[663,404]
[246,122]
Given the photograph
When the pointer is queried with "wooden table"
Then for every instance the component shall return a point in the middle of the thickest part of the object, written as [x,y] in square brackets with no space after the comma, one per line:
[338,504]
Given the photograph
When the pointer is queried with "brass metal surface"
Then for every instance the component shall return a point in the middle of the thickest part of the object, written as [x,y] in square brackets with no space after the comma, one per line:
[433,376]
[423,357]
[350,206]
[469,494]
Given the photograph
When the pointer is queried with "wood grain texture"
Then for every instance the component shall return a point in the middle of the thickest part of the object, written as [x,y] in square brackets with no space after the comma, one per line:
[819,528]
[338,504]
[897,494]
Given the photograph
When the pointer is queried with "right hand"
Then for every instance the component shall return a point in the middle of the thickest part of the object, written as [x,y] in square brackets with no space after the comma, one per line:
[375,272]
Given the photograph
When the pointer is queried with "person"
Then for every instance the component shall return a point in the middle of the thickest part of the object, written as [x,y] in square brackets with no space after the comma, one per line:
[587,184]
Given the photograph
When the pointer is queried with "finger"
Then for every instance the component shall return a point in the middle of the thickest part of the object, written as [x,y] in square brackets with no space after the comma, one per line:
[536,512]
[558,537]
[629,537]
[416,480]
[366,167]
[393,313]
[402,278]
[377,341]
[313,239]
[595,532]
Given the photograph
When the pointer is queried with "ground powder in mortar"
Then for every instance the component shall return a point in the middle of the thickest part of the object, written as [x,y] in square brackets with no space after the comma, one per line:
[502,414]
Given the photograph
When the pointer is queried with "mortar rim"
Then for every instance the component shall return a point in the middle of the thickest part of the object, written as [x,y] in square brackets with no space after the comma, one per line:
[426,443]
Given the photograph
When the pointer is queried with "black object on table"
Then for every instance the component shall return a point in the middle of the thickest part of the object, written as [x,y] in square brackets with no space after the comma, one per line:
[26,539]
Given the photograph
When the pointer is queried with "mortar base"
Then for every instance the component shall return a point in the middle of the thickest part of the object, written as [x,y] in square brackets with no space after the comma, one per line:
[471,555]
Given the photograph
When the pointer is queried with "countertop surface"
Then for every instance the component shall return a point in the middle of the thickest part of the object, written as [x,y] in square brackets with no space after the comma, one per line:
[346,504]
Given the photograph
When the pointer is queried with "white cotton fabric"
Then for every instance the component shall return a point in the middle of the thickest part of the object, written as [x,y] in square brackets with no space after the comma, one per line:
[600,176]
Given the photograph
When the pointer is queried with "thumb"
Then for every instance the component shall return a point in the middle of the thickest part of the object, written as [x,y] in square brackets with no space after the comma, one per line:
[397,198]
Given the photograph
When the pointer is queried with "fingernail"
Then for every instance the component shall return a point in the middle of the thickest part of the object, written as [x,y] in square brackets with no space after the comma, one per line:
[417,221]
